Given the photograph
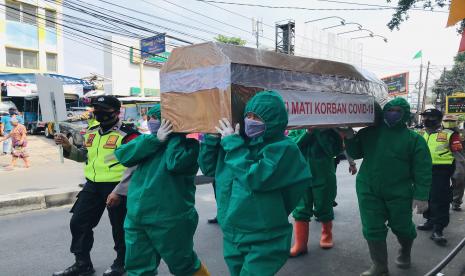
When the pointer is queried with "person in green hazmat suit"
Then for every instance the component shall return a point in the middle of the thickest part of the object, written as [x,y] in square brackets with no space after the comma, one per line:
[319,147]
[394,178]
[161,218]
[260,177]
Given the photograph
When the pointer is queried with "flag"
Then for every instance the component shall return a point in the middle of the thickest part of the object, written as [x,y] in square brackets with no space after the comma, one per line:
[462,43]
[456,13]
[419,54]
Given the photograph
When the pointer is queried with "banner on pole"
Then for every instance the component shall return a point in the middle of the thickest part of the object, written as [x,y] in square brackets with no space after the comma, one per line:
[397,84]
[325,109]
[455,105]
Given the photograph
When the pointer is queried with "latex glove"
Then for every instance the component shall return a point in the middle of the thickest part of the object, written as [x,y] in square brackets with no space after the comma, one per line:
[166,128]
[347,132]
[353,168]
[113,200]
[226,129]
[421,206]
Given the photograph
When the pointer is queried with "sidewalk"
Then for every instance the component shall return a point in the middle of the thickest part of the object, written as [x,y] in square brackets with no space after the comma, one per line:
[47,183]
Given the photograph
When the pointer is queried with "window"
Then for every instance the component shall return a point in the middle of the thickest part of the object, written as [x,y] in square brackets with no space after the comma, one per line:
[21,12]
[13,12]
[30,60]
[22,58]
[51,62]
[50,19]
[13,58]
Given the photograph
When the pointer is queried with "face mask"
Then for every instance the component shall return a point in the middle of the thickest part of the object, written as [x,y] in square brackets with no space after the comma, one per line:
[449,124]
[153,125]
[391,118]
[254,128]
[431,123]
[11,112]
[103,116]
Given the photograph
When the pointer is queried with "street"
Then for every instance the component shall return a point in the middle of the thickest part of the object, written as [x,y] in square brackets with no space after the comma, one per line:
[37,242]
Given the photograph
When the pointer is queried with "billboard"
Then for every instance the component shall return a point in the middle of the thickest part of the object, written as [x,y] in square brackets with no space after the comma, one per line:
[397,84]
[455,105]
[152,46]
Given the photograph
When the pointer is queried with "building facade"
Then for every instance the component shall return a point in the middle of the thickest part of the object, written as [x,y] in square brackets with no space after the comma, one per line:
[31,39]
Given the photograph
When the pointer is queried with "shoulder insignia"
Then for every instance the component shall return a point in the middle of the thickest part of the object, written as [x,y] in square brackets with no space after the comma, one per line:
[90,140]
[111,142]
[442,137]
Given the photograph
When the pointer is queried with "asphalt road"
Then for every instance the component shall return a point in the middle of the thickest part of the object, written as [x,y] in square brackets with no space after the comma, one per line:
[37,243]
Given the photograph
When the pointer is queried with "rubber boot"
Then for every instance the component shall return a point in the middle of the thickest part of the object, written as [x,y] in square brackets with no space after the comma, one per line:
[403,259]
[378,254]
[301,239]
[203,271]
[326,240]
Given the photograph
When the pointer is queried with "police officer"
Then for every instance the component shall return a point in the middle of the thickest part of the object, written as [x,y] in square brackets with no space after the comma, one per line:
[103,172]
[444,145]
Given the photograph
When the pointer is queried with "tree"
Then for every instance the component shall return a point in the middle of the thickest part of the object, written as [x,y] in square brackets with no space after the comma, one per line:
[451,80]
[230,40]
[404,6]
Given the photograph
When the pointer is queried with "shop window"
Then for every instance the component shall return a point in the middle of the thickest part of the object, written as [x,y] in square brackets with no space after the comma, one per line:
[13,58]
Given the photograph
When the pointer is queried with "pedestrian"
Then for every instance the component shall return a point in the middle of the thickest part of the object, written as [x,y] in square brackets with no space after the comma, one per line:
[445,146]
[319,147]
[394,178]
[260,177]
[19,141]
[142,125]
[6,128]
[100,142]
[458,178]
[161,218]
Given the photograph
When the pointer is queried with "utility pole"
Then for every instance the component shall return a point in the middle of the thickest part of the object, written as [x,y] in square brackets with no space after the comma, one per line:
[443,95]
[426,88]
[141,76]
[420,85]
[257,29]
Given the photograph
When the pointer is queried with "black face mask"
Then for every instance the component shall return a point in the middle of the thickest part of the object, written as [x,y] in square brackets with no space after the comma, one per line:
[11,112]
[431,123]
[103,116]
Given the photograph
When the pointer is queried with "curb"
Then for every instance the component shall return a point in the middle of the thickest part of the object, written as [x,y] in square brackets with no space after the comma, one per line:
[22,202]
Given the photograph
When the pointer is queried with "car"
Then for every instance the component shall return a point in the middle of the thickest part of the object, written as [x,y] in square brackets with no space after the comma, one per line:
[72,129]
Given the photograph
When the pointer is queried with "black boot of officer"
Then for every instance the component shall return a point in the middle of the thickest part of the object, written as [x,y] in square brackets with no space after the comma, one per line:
[82,267]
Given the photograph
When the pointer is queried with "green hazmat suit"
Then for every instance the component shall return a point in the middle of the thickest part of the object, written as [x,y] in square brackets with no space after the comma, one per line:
[161,218]
[258,183]
[319,148]
[396,169]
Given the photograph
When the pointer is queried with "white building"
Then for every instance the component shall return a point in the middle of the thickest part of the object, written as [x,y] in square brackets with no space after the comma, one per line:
[122,70]
[31,38]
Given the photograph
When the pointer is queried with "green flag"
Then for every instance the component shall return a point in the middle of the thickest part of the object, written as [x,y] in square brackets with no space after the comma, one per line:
[418,55]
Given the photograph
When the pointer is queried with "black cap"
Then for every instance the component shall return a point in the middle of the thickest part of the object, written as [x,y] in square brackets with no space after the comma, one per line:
[107,102]
[432,112]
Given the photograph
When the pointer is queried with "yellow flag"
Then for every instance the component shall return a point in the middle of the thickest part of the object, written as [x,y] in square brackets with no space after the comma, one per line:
[456,13]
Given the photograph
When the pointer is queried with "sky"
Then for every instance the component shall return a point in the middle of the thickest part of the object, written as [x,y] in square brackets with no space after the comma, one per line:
[423,30]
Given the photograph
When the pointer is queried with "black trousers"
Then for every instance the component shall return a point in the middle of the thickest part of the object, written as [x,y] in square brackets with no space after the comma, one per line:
[440,196]
[87,211]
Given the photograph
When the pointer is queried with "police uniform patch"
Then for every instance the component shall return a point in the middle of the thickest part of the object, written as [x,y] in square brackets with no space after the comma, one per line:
[442,137]
[90,140]
[111,142]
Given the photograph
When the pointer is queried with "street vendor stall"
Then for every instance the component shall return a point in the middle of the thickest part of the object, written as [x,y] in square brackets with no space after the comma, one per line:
[205,82]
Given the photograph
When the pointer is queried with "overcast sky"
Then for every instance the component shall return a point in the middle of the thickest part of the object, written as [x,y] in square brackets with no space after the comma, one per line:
[423,31]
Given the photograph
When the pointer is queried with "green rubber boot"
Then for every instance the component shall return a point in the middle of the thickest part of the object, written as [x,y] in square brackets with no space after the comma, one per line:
[403,259]
[378,253]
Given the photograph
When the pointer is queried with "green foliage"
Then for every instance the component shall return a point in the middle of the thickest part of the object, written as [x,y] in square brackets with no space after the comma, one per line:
[404,6]
[452,80]
[230,40]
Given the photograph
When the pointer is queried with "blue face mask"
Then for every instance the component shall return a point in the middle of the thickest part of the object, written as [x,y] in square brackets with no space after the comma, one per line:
[391,118]
[254,128]
[153,125]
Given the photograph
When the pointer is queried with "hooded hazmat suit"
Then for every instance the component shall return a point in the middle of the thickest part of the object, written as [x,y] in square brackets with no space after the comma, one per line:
[258,183]
[319,149]
[396,169]
[161,218]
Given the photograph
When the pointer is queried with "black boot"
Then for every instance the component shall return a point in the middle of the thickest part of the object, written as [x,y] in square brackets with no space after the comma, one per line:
[114,270]
[213,220]
[79,268]
[378,253]
[426,226]
[403,259]
[438,237]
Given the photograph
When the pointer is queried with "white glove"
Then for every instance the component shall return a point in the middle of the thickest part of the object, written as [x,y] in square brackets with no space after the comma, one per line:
[422,206]
[226,129]
[166,128]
